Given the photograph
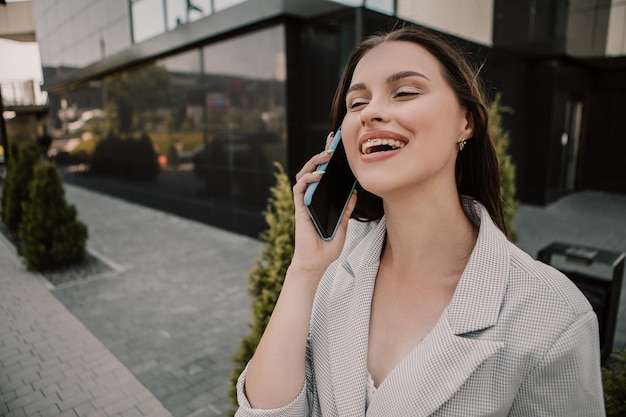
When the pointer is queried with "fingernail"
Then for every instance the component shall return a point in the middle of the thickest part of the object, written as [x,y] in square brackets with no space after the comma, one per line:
[319,172]
[330,135]
[329,151]
[354,192]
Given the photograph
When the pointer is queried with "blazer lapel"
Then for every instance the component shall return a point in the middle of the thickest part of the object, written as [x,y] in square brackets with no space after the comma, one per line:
[350,304]
[431,373]
[453,350]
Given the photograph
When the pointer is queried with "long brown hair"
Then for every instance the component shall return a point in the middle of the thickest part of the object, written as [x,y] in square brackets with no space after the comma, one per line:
[477,170]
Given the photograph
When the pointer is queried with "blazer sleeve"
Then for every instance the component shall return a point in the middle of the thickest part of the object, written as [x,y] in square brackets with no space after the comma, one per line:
[302,406]
[567,381]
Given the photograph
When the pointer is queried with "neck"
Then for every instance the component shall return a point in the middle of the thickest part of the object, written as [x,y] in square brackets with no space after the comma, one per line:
[428,237]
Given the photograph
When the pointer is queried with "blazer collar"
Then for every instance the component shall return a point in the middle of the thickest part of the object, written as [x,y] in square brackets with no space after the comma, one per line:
[478,297]
[438,366]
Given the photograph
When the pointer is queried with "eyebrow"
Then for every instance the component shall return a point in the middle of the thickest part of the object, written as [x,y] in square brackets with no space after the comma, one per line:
[391,79]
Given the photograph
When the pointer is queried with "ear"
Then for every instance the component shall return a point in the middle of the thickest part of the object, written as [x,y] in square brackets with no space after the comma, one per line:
[468,129]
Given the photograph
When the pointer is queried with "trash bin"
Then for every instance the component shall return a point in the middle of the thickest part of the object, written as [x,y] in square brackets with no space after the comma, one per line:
[583,264]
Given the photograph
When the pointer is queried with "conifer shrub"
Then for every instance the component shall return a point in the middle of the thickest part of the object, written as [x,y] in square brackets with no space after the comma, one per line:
[52,236]
[502,141]
[266,276]
[141,160]
[105,155]
[614,382]
[15,185]
[129,158]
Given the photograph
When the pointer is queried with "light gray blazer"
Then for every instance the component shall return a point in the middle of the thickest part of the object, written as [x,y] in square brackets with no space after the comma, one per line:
[517,339]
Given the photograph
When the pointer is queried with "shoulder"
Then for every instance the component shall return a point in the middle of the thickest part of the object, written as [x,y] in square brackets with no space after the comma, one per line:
[535,278]
[540,306]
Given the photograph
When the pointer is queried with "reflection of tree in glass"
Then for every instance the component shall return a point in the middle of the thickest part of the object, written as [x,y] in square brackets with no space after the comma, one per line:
[137,93]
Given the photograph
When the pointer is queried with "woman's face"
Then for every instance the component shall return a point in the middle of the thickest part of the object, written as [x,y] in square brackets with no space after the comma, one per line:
[403,121]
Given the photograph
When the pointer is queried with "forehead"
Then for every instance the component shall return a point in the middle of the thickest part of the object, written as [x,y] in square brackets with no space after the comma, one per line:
[393,56]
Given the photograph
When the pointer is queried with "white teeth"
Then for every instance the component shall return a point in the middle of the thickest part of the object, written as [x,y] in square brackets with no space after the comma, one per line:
[369,145]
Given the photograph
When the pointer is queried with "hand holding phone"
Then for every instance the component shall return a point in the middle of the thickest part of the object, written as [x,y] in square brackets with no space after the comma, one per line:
[326,199]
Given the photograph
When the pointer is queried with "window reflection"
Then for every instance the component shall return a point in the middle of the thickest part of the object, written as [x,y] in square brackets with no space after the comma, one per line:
[207,124]
[184,11]
[153,17]
[148,19]
[225,4]
[244,91]
[383,6]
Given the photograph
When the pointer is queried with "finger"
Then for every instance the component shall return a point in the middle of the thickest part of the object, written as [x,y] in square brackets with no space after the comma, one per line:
[313,163]
[305,180]
[329,139]
[350,206]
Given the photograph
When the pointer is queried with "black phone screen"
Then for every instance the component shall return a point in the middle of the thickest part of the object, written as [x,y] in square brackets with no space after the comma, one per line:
[332,193]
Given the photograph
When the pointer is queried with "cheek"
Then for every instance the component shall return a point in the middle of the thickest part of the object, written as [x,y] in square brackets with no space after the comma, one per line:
[349,134]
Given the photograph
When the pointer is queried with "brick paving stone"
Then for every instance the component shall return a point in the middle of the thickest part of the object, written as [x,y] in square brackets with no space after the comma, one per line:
[46,353]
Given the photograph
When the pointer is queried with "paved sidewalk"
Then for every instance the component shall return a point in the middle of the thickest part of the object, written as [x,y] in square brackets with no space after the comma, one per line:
[50,364]
[175,305]
[154,334]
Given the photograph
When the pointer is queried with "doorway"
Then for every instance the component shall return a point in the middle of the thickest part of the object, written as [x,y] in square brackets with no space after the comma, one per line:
[570,141]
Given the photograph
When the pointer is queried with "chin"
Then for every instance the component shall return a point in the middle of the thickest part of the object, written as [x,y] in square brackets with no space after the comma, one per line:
[378,186]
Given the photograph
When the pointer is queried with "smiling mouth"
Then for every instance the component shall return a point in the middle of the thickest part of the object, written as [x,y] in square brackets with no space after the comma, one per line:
[380,145]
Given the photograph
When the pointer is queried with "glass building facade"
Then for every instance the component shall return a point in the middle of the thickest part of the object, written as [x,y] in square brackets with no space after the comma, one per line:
[187,105]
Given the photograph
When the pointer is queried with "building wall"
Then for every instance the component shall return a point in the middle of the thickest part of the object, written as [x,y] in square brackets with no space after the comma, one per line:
[224,96]
[17,22]
[616,33]
[75,33]
[471,20]
[215,116]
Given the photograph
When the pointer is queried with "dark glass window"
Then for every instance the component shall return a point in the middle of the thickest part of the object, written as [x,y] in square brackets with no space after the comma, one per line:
[148,19]
[195,133]
[244,93]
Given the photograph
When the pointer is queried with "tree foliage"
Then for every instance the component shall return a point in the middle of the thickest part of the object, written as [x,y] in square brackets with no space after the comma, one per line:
[130,158]
[267,275]
[133,94]
[614,381]
[502,141]
[51,235]
[15,186]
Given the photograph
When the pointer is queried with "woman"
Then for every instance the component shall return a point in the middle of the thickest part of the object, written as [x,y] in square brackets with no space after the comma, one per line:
[420,306]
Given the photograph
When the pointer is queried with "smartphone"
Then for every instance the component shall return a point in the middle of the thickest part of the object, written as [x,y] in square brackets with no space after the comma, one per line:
[326,199]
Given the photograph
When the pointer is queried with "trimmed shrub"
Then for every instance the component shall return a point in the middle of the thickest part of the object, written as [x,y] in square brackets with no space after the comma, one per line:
[266,277]
[502,140]
[15,186]
[614,381]
[142,162]
[52,237]
[132,159]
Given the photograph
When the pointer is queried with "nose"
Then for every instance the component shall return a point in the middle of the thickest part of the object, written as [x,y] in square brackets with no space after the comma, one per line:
[374,112]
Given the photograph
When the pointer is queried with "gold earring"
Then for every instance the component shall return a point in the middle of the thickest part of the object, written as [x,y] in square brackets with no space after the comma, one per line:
[462,144]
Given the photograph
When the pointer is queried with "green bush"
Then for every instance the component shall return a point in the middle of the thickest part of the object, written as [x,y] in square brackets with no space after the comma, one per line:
[501,140]
[614,381]
[129,158]
[52,237]
[266,277]
[15,186]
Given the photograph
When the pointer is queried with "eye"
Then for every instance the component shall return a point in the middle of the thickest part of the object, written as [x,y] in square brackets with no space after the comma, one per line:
[406,93]
[355,103]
